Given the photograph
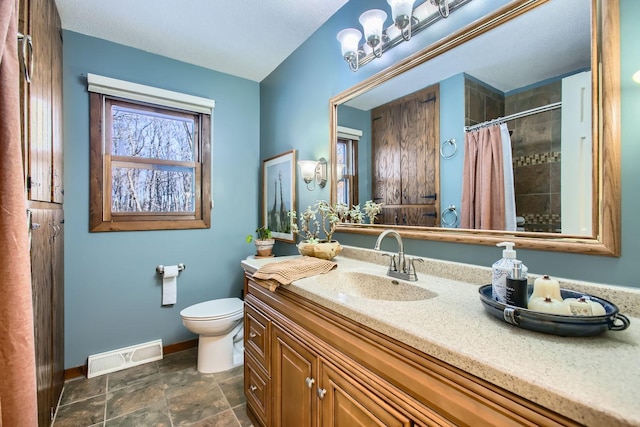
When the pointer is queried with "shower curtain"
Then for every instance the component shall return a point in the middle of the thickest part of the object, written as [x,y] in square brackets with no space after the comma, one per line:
[483,180]
[509,191]
[18,400]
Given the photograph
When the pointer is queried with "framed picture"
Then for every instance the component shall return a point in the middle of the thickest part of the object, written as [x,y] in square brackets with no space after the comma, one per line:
[278,194]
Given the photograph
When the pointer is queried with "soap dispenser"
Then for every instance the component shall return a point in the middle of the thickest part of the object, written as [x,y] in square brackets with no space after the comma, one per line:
[502,269]
[517,293]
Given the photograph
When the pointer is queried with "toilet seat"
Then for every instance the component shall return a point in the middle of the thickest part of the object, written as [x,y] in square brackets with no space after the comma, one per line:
[214,309]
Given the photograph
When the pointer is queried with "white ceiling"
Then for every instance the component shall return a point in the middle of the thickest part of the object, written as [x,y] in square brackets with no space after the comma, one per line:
[245,38]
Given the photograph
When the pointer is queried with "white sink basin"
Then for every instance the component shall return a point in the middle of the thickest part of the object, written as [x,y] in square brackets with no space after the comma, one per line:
[369,286]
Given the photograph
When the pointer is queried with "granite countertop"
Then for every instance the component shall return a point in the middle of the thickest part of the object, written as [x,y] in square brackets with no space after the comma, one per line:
[591,380]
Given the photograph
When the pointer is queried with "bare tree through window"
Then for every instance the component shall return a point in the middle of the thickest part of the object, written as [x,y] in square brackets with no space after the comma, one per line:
[139,139]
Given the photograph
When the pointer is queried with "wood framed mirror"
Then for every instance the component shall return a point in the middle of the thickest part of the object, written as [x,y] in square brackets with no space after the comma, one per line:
[602,235]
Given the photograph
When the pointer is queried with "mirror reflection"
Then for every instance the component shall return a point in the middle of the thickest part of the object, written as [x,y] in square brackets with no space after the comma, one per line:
[404,142]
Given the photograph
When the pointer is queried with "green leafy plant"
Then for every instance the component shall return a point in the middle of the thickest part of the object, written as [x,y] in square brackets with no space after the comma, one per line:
[372,209]
[262,233]
[324,218]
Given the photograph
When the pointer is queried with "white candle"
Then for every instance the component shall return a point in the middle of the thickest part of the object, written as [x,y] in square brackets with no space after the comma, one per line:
[549,305]
[546,286]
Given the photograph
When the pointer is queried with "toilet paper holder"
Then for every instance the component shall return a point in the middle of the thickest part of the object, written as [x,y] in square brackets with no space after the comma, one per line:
[160,268]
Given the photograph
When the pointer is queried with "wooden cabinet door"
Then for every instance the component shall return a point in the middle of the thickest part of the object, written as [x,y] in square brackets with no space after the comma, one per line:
[385,151]
[294,382]
[41,285]
[40,125]
[47,277]
[405,152]
[42,102]
[420,165]
[347,404]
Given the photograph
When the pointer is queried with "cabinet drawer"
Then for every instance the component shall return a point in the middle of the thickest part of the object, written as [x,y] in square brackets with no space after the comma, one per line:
[256,389]
[257,329]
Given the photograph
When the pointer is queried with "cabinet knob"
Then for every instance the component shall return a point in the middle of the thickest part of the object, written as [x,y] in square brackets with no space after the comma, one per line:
[252,388]
[310,382]
[252,335]
[321,392]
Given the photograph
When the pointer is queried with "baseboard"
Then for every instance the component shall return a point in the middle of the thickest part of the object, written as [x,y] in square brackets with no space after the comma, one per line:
[81,371]
[78,371]
[174,348]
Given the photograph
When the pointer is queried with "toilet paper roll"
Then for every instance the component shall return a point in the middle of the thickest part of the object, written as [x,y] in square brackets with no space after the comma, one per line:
[170,285]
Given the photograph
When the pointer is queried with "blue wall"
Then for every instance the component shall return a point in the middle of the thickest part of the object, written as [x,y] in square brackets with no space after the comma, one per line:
[113,294]
[452,127]
[294,114]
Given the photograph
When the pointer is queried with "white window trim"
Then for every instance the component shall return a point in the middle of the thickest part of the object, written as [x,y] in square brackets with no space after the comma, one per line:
[149,94]
[348,133]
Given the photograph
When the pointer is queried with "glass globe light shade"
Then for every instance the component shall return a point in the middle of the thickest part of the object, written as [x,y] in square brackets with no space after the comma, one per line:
[349,39]
[372,22]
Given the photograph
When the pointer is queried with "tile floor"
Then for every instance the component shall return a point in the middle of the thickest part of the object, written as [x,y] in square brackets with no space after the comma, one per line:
[169,392]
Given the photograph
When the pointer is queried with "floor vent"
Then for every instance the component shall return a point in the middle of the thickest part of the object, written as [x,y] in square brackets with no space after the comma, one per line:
[116,360]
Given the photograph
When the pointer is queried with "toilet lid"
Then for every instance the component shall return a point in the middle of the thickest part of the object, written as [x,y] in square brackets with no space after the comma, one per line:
[214,309]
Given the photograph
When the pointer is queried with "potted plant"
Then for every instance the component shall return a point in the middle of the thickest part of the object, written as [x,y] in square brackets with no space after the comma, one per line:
[264,242]
[324,218]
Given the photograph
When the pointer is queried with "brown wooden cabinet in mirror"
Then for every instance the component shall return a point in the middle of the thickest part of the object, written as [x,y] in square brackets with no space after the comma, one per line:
[601,236]
[404,145]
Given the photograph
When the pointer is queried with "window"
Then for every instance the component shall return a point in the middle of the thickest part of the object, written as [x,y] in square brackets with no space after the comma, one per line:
[347,165]
[150,162]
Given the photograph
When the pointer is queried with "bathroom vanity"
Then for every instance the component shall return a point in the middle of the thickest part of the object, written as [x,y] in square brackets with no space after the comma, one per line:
[323,351]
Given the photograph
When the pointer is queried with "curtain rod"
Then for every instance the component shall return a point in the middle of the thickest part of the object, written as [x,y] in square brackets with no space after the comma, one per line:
[514,116]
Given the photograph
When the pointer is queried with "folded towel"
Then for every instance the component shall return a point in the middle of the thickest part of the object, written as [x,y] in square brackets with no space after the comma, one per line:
[273,274]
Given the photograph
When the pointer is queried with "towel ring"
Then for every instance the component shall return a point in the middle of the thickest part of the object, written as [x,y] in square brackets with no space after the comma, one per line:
[452,213]
[452,142]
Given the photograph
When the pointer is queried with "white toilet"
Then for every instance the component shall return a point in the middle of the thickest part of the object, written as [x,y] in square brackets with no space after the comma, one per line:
[219,324]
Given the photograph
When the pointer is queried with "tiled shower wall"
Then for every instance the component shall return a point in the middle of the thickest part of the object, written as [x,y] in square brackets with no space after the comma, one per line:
[482,102]
[536,147]
[536,157]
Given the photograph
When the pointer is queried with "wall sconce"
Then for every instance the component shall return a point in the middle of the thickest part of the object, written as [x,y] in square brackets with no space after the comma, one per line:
[314,171]
[407,21]
[636,76]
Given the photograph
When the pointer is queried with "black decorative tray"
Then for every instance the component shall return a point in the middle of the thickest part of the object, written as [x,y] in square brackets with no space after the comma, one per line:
[568,326]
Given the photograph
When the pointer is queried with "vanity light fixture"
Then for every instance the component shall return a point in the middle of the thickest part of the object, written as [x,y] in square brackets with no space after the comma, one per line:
[349,40]
[314,171]
[443,7]
[407,21]
[372,22]
[402,14]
